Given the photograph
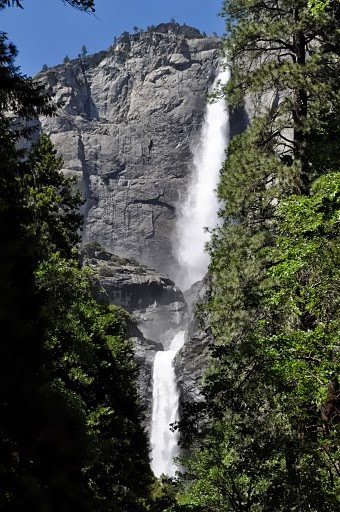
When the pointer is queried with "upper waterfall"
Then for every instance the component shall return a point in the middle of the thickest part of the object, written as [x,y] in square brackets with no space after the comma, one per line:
[200,210]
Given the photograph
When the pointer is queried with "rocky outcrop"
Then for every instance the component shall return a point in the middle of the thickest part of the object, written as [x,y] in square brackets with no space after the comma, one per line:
[191,364]
[192,360]
[144,353]
[127,121]
[157,307]
[156,303]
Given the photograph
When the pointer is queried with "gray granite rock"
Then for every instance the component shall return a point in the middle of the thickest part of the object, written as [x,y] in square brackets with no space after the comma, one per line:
[191,364]
[192,360]
[157,307]
[145,351]
[156,303]
[127,121]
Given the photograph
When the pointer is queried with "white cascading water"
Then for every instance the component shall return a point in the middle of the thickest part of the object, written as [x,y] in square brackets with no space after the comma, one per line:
[200,209]
[198,212]
[164,442]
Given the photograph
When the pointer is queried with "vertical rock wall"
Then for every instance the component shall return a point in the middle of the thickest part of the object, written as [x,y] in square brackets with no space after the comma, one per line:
[127,121]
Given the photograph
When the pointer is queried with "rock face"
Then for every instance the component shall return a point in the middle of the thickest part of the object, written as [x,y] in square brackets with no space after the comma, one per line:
[191,361]
[158,306]
[145,351]
[128,119]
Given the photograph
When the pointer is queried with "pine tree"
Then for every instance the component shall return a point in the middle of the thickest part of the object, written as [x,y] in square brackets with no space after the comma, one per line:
[285,50]
[83,53]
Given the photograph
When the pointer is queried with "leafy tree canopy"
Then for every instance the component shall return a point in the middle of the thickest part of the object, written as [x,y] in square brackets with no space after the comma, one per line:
[81,5]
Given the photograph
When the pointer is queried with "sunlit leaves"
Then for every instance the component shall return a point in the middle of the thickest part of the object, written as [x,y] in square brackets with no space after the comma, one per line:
[271,391]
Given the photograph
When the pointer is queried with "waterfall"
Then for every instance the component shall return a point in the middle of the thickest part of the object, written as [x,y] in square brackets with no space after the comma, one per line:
[199,211]
[164,443]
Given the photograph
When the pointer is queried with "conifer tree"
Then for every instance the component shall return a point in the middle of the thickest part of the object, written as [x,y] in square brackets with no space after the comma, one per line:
[83,52]
[287,51]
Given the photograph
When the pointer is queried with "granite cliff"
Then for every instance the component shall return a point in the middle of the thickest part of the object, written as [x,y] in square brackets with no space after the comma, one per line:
[127,122]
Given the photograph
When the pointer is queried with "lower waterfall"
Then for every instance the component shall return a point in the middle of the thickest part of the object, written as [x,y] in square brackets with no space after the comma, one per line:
[165,401]
[198,212]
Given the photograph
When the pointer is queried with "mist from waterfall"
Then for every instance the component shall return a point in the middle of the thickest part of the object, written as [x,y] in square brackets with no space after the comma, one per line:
[164,442]
[199,211]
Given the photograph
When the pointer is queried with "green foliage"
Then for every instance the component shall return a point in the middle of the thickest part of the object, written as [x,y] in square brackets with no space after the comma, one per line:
[272,392]
[318,7]
[25,410]
[35,437]
[285,51]
[52,200]
[80,5]
[267,435]
[163,495]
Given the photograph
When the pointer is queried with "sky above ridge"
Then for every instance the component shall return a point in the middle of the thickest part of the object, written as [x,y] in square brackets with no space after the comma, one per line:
[47,30]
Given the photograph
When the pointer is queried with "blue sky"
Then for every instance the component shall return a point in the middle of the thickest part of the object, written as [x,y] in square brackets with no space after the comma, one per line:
[46,30]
